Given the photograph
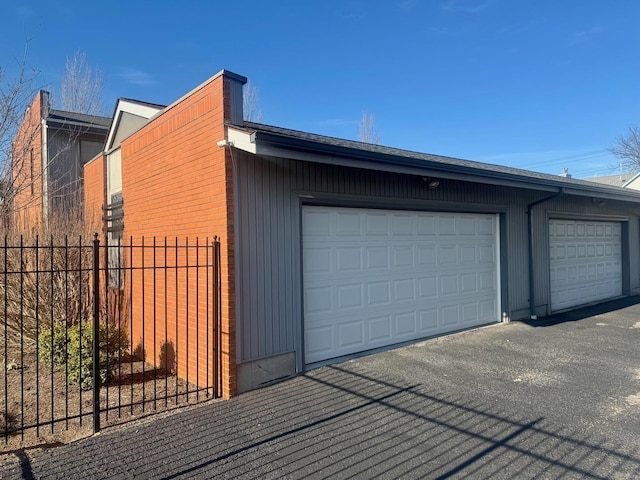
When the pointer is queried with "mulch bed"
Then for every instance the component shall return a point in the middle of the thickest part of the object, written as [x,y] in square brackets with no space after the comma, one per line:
[30,391]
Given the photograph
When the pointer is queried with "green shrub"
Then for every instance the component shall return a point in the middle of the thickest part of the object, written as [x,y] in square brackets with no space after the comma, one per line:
[70,349]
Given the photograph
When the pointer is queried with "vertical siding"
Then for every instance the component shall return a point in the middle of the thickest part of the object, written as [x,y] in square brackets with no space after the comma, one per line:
[567,206]
[270,192]
[268,197]
[94,177]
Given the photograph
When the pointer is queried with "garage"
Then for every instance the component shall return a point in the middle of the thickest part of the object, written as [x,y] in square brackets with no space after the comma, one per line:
[373,278]
[585,262]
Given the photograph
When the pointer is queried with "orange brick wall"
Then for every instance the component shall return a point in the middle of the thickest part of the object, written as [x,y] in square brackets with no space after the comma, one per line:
[27,201]
[94,195]
[177,182]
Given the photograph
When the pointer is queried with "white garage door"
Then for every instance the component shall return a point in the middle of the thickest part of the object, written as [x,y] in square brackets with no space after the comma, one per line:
[373,278]
[585,262]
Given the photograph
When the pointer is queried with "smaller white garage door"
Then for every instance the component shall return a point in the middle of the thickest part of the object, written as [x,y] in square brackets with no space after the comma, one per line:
[585,262]
[374,278]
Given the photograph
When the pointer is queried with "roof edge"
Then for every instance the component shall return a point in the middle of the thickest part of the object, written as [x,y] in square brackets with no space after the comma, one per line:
[321,144]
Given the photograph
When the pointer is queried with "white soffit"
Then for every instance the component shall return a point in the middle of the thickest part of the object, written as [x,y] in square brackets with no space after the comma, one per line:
[134,108]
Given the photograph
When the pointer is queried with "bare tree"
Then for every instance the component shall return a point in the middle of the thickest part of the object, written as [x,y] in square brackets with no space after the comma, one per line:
[81,86]
[367,131]
[251,103]
[16,93]
[26,174]
[627,148]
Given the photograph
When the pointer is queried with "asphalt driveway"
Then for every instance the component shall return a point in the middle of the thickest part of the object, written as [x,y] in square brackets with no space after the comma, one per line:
[556,399]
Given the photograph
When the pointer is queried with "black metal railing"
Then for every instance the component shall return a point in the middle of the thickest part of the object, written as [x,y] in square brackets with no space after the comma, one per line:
[93,334]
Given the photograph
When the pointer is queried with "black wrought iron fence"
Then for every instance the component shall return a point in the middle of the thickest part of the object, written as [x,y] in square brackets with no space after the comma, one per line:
[96,333]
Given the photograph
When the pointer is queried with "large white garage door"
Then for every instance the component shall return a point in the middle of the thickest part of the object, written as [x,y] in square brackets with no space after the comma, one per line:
[373,278]
[585,262]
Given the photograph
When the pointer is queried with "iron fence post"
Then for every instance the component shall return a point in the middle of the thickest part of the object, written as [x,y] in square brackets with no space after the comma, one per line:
[96,333]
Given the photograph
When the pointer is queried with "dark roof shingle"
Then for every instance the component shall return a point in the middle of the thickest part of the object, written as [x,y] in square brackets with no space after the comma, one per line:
[429,160]
[79,119]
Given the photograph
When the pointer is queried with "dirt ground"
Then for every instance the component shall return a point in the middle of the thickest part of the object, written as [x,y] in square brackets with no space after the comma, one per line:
[30,391]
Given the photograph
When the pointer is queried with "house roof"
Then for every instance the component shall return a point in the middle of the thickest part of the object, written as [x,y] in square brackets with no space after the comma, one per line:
[127,106]
[619,180]
[276,141]
[92,122]
[142,102]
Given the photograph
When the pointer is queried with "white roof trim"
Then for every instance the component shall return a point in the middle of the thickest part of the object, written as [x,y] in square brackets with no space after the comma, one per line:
[631,180]
[134,108]
[241,139]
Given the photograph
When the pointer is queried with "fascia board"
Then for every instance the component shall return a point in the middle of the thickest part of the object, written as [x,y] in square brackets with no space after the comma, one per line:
[124,106]
[297,149]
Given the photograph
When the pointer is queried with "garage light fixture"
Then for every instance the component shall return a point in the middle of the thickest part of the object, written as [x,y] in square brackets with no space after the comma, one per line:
[431,182]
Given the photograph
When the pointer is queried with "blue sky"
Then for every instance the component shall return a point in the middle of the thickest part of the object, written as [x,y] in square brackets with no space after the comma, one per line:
[532,84]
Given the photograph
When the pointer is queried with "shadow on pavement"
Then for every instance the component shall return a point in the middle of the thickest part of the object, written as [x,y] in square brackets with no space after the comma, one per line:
[342,421]
[360,426]
[582,313]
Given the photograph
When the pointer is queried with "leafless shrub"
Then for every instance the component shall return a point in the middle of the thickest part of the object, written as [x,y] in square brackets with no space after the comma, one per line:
[81,86]
[44,278]
[367,131]
[251,103]
[627,148]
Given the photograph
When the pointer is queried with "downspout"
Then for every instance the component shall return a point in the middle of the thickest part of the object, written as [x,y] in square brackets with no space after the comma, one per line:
[532,304]
[45,175]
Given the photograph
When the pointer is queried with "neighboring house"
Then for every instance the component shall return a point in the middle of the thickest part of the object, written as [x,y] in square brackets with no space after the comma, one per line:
[49,152]
[624,180]
[331,247]
[106,189]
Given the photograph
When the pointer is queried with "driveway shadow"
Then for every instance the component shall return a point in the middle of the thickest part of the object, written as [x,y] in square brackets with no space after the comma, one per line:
[345,421]
[585,312]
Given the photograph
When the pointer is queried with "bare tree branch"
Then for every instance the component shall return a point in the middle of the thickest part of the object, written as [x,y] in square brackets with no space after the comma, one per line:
[81,86]
[251,103]
[367,132]
[28,179]
[16,94]
[627,148]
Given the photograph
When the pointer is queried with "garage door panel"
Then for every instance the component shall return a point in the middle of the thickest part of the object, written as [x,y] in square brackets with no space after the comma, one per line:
[405,325]
[447,255]
[403,291]
[488,310]
[318,299]
[377,257]
[428,320]
[449,285]
[486,226]
[469,283]
[380,329]
[349,296]
[446,225]
[351,334]
[347,224]
[585,262]
[426,224]
[378,293]
[348,259]
[317,260]
[487,282]
[469,312]
[376,224]
[319,340]
[398,276]
[317,223]
[449,316]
